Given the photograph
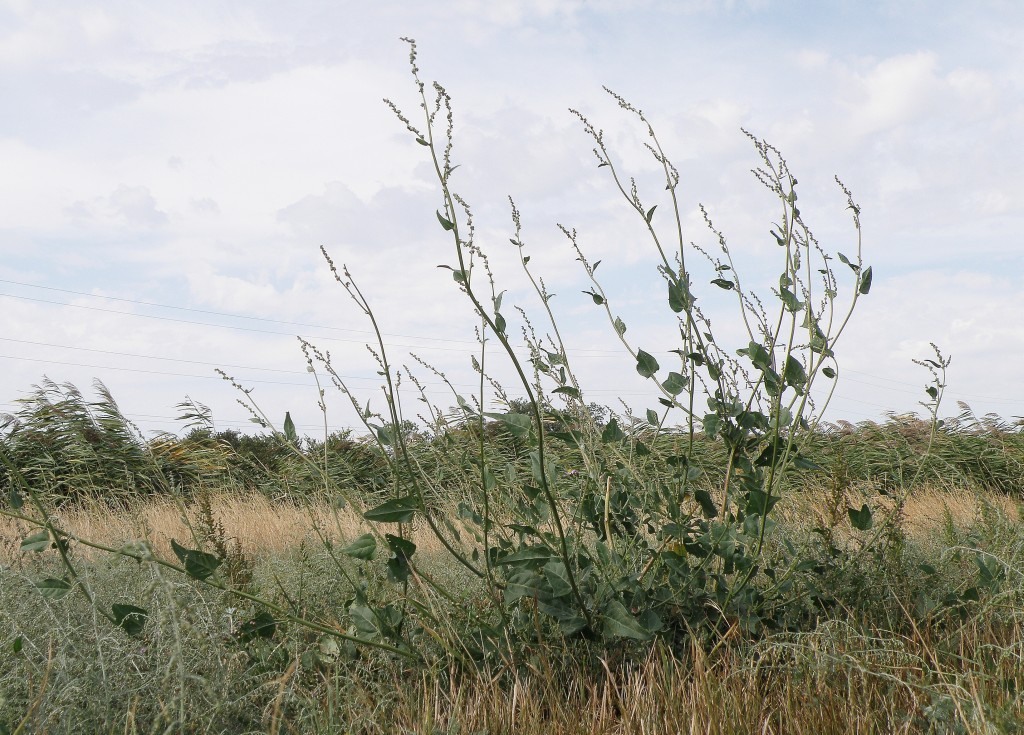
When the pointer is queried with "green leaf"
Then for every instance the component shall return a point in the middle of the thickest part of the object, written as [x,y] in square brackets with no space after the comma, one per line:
[446,224]
[130,618]
[861,519]
[17,645]
[363,619]
[567,390]
[758,355]
[53,589]
[802,463]
[723,283]
[711,423]
[401,546]
[397,510]
[598,298]
[990,572]
[499,323]
[650,214]
[363,547]
[261,626]
[289,428]
[828,372]
[820,345]
[674,384]
[865,280]
[36,542]
[518,424]
[932,391]
[652,417]
[619,623]
[620,326]
[761,503]
[676,296]
[706,503]
[198,564]
[15,499]
[421,141]
[789,299]
[398,565]
[646,365]
[528,556]
[794,374]
[526,583]
[558,578]
[612,432]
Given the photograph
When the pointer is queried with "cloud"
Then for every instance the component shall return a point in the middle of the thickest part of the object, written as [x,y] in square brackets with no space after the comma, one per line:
[199,155]
[136,205]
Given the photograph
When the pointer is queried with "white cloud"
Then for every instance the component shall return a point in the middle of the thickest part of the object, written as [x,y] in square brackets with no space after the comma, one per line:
[199,154]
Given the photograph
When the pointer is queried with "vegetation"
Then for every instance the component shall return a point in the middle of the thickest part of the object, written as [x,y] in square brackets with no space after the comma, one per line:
[724,563]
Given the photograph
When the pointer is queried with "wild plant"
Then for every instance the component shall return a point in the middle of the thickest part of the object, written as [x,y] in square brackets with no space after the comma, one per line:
[620,553]
[616,549]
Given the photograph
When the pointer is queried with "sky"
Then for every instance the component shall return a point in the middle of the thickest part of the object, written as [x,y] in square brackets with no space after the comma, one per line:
[170,171]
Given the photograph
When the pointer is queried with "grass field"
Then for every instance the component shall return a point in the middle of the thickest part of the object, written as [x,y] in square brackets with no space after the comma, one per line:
[881,664]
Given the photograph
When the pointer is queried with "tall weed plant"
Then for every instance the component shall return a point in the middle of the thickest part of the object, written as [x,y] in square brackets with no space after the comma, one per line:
[617,551]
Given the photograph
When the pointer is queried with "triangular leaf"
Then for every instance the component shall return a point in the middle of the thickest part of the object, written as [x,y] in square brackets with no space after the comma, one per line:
[674,384]
[53,589]
[36,542]
[865,280]
[130,618]
[619,623]
[646,365]
[397,510]
[612,432]
[289,428]
[518,424]
[261,626]
[198,564]
[527,556]
[363,547]
[861,519]
[446,224]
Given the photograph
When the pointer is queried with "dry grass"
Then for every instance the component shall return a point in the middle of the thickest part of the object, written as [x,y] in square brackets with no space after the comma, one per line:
[264,528]
[926,511]
[260,527]
[832,681]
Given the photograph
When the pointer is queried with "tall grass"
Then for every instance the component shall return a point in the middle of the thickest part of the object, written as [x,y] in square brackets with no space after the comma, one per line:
[890,663]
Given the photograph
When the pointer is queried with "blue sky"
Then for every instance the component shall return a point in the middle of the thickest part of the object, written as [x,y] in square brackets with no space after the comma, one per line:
[196,156]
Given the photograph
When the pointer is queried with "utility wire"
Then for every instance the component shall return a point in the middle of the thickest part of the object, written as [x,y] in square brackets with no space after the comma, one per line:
[217,313]
[583,352]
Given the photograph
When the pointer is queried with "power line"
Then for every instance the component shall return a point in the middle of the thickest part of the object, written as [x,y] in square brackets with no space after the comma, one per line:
[218,313]
[582,352]
[219,326]
[153,357]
